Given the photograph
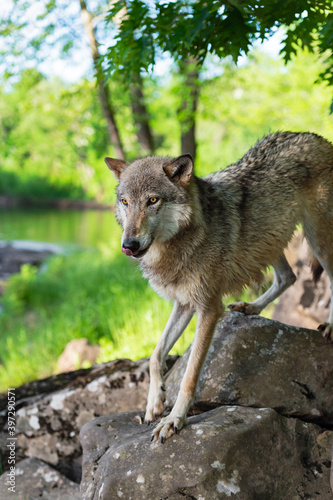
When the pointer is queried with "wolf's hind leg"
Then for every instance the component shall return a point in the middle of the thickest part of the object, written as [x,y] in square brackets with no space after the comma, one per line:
[326,328]
[283,278]
[318,232]
[326,260]
[178,321]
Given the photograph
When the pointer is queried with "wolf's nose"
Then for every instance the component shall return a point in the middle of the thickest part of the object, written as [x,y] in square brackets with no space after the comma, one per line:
[131,245]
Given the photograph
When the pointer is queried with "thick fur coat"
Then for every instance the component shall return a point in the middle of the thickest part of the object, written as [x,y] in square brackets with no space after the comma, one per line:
[198,239]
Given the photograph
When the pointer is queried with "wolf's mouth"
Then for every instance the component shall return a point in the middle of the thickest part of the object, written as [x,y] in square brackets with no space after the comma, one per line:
[136,254]
[140,253]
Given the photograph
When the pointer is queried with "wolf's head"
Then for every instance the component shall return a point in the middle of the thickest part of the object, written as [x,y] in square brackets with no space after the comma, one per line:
[153,200]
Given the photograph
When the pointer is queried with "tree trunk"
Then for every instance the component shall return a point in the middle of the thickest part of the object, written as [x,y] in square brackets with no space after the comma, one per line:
[139,110]
[103,92]
[141,115]
[188,108]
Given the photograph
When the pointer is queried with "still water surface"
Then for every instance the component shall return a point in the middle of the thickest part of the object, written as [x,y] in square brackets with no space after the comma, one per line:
[84,228]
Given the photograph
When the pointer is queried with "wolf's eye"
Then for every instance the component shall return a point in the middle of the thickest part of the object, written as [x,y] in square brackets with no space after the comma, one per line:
[152,200]
[124,201]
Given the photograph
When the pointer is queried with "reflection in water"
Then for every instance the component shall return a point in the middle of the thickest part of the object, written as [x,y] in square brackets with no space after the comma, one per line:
[85,228]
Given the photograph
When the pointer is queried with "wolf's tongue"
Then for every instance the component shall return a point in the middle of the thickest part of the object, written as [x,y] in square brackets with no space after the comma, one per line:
[129,252]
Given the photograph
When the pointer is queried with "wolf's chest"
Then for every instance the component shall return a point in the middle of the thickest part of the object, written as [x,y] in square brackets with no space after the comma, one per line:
[174,274]
[182,290]
[172,283]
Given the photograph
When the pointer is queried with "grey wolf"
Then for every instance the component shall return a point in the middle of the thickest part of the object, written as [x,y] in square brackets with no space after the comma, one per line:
[198,239]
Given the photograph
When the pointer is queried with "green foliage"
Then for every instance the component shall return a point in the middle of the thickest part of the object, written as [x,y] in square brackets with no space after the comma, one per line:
[18,290]
[138,44]
[191,30]
[54,140]
[187,30]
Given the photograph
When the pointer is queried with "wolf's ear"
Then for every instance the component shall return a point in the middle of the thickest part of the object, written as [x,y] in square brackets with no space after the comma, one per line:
[180,170]
[116,166]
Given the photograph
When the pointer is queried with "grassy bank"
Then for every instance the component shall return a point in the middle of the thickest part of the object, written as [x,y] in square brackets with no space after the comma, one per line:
[97,294]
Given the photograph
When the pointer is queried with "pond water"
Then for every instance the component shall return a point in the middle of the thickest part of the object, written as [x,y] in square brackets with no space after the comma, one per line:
[84,228]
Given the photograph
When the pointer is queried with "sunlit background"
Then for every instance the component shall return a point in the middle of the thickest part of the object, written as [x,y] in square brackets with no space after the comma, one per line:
[54,137]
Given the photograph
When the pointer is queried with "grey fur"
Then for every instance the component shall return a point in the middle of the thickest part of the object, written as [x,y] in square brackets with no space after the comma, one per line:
[205,238]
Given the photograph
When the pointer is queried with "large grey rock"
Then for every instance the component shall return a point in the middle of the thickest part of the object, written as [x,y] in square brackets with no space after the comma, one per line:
[256,362]
[243,453]
[35,479]
[48,425]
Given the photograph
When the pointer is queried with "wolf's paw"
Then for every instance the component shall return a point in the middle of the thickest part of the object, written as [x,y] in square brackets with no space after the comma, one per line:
[155,404]
[168,426]
[326,329]
[243,307]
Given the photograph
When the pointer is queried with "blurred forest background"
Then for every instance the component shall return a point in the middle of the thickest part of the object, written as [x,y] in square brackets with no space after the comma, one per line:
[81,81]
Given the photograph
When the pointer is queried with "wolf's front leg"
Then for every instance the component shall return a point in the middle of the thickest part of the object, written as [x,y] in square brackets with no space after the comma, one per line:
[178,321]
[207,319]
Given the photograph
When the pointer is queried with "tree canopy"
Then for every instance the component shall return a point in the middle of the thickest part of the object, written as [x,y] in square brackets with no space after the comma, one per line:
[190,29]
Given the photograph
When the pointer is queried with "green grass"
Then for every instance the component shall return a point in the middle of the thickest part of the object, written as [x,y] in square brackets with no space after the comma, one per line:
[98,294]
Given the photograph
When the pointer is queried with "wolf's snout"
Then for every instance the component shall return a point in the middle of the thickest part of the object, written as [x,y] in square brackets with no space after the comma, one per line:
[131,247]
